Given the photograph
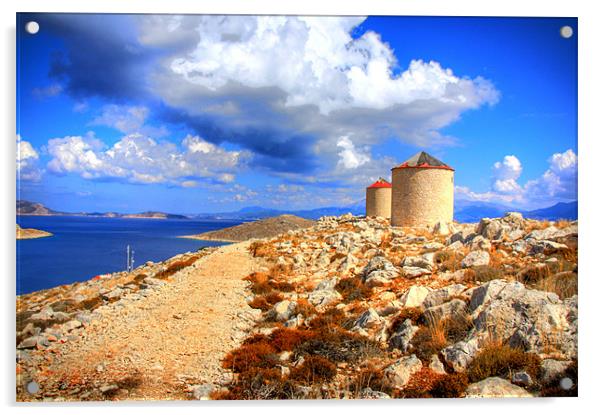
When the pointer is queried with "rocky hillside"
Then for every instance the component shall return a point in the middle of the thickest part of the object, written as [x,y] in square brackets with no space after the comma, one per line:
[347,308]
[31,208]
[265,228]
[29,233]
[353,308]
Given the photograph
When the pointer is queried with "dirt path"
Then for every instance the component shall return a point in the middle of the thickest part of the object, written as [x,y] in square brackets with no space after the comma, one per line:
[156,347]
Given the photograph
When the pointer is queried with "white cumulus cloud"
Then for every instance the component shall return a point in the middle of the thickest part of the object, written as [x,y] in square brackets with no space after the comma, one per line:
[557,183]
[27,161]
[349,156]
[141,159]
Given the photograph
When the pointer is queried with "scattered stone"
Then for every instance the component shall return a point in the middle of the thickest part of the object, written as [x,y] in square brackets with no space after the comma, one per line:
[368,319]
[459,355]
[414,296]
[495,387]
[399,373]
[436,366]
[202,392]
[402,338]
[368,393]
[475,259]
[522,378]
[283,310]
[552,369]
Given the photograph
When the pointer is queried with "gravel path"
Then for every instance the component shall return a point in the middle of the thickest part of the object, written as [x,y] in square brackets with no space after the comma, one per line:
[158,346]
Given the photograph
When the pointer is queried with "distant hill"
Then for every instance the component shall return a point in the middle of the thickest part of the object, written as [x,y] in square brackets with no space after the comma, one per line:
[257,212]
[264,228]
[558,211]
[25,207]
[466,211]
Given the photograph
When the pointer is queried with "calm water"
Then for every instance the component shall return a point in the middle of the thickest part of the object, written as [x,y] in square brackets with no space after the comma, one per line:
[82,247]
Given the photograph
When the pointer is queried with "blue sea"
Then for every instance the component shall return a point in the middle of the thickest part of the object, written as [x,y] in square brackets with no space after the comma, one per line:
[83,247]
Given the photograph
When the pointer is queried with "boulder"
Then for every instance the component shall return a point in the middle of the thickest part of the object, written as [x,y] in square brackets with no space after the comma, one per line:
[536,321]
[441,228]
[368,393]
[400,372]
[459,355]
[422,261]
[380,263]
[495,387]
[402,338]
[322,298]
[522,378]
[475,259]
[414,296]
[445,310]
[479,243]
[436,366]
[368,319]
[552,369]
[442,295]
[283,310]
[415,272]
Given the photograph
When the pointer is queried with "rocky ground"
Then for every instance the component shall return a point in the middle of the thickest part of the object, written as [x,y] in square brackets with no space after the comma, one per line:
[265,228]
[29,233]
[353,308]
[347,308]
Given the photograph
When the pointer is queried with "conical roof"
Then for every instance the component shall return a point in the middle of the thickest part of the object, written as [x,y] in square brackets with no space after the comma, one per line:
[423,160]
[379,183]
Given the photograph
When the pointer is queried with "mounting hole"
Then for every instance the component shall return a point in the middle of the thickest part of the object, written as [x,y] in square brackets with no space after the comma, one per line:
[33,388]
[32,27]
[566,383]
[566,31]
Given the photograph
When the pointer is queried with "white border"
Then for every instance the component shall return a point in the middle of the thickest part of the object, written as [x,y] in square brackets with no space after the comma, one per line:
[590,72]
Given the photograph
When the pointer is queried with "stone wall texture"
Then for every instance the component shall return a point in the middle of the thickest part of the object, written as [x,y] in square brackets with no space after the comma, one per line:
[422,196]
[378,202]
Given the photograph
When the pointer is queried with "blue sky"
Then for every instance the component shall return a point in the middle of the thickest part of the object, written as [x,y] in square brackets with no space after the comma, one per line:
[211,113]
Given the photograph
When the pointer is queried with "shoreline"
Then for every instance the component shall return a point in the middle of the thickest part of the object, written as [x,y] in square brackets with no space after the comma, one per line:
[209,239]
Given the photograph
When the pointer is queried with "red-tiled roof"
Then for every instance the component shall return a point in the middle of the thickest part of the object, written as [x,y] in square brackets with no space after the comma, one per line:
[380,183]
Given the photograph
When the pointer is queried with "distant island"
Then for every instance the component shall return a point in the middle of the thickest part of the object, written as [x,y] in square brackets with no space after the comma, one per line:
[31,233]
[26,208]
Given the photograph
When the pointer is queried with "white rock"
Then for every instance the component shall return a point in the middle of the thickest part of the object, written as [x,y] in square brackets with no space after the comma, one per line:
[495,387]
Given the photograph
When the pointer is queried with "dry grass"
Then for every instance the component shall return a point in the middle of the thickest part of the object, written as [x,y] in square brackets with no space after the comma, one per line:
[266,301]
[562,223]
[413,313]
[370,377]
[501,360]
[314,369]
[352,289]
[429,340]
[450,386]
[421,384]
[449,260]
[176,266]
[564,284]
[484,273]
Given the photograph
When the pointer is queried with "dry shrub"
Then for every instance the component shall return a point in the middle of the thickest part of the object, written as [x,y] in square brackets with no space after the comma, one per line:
[279,270]
[175,267]
[501,360]
[337,256]
[259,282]
[533,274]
[484,273]
[261,249]
[283,286]
[91,303]
[140,277]
[562,223]
[333,318]
[565,284]
[370,377]
[314,369]
[450,386]
[457,327]
[420,384]
[450,261]
[429,340]
[385,240]
[352,289]
[287,339]
[257,354]
[305,308]
[552,388]
[339,345]
[265,302]
[412,313]
[259,384]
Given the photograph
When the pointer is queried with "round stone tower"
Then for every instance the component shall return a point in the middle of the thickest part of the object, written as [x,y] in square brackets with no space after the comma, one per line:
[423,192]
[378,199]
